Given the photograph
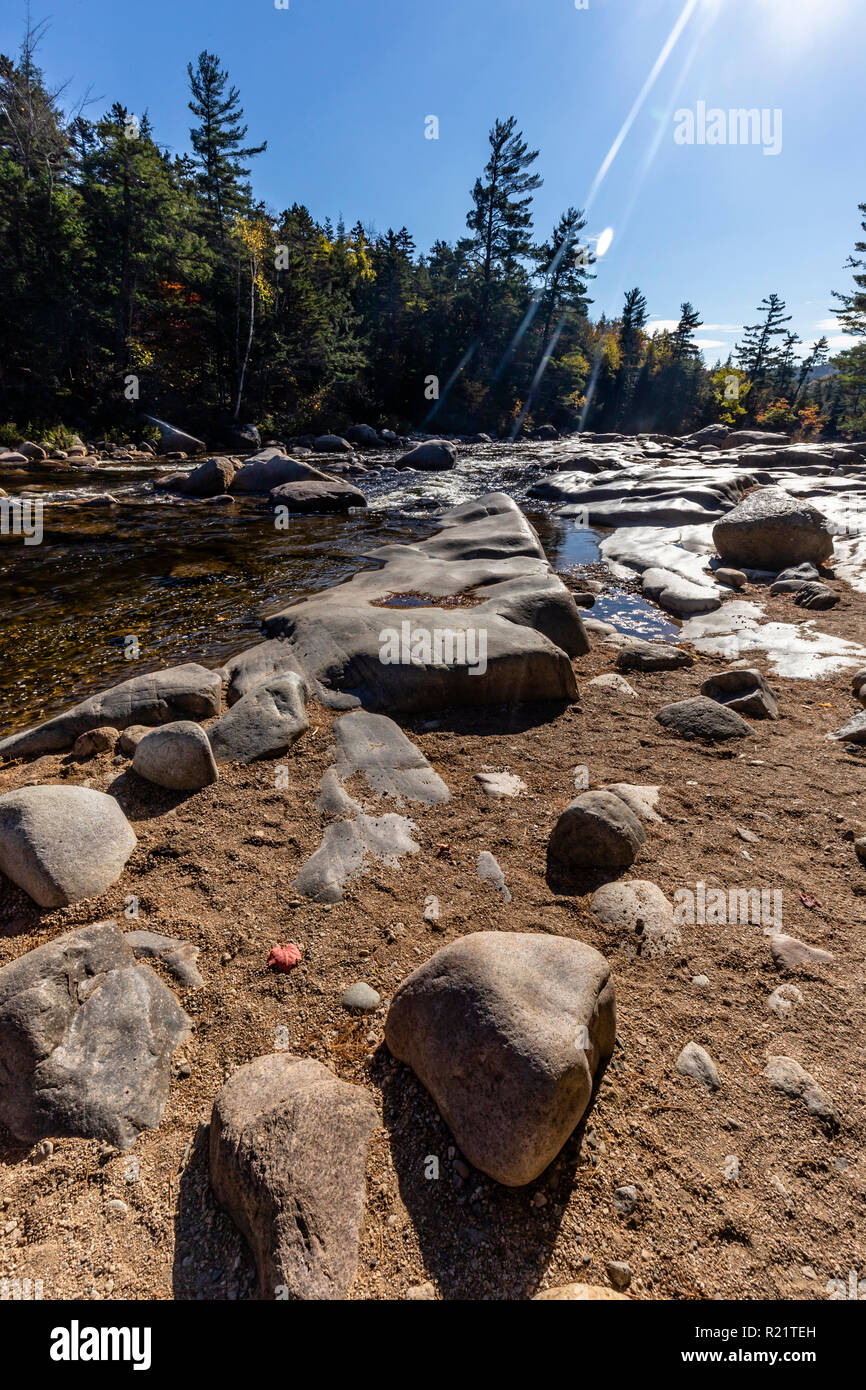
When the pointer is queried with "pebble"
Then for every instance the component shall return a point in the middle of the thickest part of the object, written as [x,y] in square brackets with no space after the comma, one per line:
[360,996]
[421,1291]
[701,981]
[748,835]
[694,1061]
[461,1167]
[783,999]
[118,1208]
[619,1273]
[625,1200]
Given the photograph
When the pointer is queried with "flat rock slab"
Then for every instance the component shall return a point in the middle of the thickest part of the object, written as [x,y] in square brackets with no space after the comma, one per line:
[63,844]
[678,595]
[701,718]
[771,530]
[786,1075]
[597,830]
[264,723]
[791,954]
[346,846]
[508,1031]
[181,692]
[288,1147]
[177,757]
[391,764]
[652,656]
[313,496]
[179,957]
[641,914]
[86,1038]
[744,690]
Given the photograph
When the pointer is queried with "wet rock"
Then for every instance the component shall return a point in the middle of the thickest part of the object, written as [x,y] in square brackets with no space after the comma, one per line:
[596,831]
[179,957]
[743,690]
[315,496]
[95,741]
[270,469]
[640,913]
[508,1032]
[210,479]
[701,718]
[696,1062]
[791,954]
[177,757]
[288,1147]
[63,844]
[771,530]
[652,656]
[786,1075]
[86,1038]
[435,455]
[264,723]
[181,692]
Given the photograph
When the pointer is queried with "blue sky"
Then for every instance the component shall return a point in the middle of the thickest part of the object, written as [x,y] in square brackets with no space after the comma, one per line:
[341,89]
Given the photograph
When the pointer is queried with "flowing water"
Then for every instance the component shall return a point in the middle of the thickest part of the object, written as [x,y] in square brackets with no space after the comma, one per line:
[192,581]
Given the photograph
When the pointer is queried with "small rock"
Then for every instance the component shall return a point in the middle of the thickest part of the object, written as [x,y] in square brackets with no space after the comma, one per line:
[700,981]
[611,681]
[702,718]
[177,757]
[652,656]
[734,579]
[788,1076]
[488,868]
[619,1273]
[625,1199]
[791,954]
[421,1292]
[783,999]
[360,996]
[748,835]
[694,1061]
[94,741]
[130,738]
[499,784]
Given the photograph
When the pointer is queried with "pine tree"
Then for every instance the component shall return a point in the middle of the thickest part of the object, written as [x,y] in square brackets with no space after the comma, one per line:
[683,345]
[758,355]
[500,219]
[218,141]
[631,343]
[852,315]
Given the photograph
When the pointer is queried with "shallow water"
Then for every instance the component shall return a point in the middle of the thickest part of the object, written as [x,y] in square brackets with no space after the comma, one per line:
[170,581]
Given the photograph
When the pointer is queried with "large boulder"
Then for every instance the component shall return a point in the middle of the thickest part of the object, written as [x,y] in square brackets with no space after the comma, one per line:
[86,1038]
[509,1032]
[177,757]
[181,692]
[175,441]
[316,496]
[210,479]
[703,718]
[264,723]
[436,454]
[288,1147]
[63,844]
[597,830]
[331,444]
[269,469]
[364,436]
[771,530]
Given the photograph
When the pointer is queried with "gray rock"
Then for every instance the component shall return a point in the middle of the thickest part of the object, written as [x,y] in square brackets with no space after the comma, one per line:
[181,692]
[701,718]
[732,579]
[259,664]
[264,723]
[86,1037]
[652,656]
[858,681]
[641,801]
[771,530]
[346,846]
[288,1147]
[177,757]
[172,440]
[63,844]
[488,868]
[816,596]
[130,739]
[625,1199]
[791,954]
[508,1032]
[852,732]
[678,595]
[331,444]
[364,436]
[313,496]
[179,957]
[499,784]
[783,999]
[641,915]
[436,454]
[743,690]
[611,681]
[694,1061]
[210,479]
[271,468]
[392,765]
[785,1074]
[860,848]
[596,831]
[360,996]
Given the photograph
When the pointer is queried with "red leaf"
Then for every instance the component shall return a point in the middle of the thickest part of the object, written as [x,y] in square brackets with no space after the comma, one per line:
[284,958]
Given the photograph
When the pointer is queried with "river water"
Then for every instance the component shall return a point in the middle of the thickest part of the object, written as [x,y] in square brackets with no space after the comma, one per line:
[193,581]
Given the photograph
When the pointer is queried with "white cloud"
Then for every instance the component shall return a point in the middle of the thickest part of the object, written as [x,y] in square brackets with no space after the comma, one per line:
[704,344]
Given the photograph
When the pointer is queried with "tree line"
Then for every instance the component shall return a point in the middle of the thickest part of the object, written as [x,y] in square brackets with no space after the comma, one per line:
[133,279]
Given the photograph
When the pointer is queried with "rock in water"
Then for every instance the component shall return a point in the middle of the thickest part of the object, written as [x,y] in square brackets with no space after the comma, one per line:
[177,756]
[288,1146]
[596,831]
[509,1032]
[172,440]
[63,844]
[313,496]
[269,469]
[434,455]
[264,723]
[771,530]
[86,1038]
[704,719]
[181,692]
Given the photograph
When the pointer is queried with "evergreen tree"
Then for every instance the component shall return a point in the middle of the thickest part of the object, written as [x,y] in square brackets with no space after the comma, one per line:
[759,354]
[220,154]
[500,219]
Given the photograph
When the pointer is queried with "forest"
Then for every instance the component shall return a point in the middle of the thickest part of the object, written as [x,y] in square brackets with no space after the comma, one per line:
[135,280]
